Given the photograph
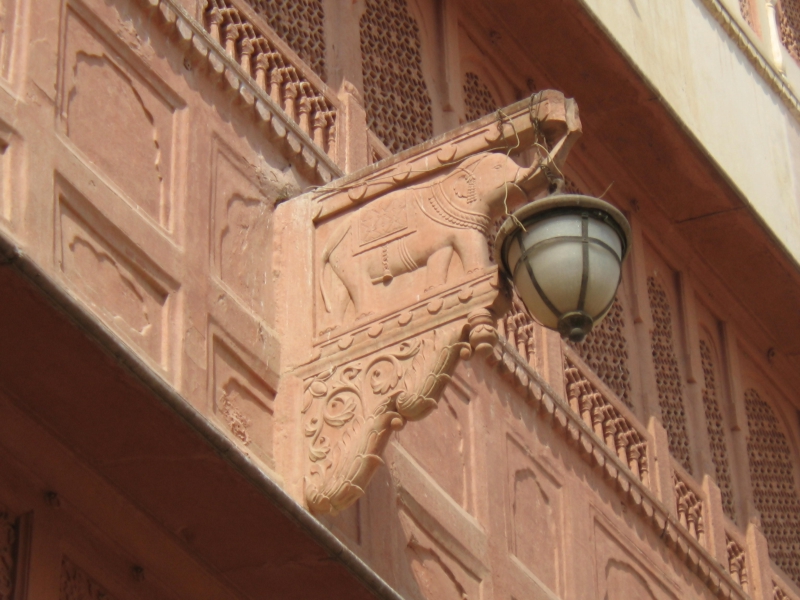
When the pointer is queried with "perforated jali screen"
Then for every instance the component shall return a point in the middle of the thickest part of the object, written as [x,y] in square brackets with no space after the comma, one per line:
[668,376]
[605,350]
[772,478]
[789,21]
[397,102]
[716,430]
[301,24]
[478,99]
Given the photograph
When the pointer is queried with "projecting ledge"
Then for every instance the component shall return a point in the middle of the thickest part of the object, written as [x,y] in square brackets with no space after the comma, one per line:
[137,432]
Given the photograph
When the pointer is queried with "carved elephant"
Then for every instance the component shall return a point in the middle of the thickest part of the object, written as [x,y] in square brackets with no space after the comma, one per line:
[422,226]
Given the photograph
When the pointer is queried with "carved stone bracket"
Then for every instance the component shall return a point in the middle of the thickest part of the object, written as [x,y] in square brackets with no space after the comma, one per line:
[351,409]
[405,285]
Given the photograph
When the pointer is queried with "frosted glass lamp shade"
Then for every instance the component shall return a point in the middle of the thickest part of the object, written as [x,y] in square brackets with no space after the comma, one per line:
[564,256]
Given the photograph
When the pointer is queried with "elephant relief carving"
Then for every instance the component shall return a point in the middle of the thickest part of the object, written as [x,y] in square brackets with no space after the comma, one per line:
[422,226]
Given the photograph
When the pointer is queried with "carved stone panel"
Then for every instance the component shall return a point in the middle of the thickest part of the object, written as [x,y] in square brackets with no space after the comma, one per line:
[443,444]
[351,409]
[622,573]
[243,402]
[534,515]
[104,96]
[123,288]
[437,572]
[422,237]
[241,219]
[383,351]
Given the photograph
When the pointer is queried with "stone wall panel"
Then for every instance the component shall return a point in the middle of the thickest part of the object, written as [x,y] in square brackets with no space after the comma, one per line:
[105,96]
[241,218]
[242,400]
[121,284]
[438,574]
[621,575]
[535,516]
[443,444]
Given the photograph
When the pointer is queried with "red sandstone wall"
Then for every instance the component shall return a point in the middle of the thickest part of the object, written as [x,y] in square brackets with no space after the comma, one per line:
[147,189]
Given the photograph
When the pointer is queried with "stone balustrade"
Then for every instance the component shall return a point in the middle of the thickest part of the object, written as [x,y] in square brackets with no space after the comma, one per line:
[615,428]
[276,69]
[518,328]
[600,410]
[737,561]
[609,444]
[607,417]
[688,502]
[781,588]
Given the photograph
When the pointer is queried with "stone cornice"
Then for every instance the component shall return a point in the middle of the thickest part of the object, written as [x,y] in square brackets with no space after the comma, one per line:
[296,144]
[557,411]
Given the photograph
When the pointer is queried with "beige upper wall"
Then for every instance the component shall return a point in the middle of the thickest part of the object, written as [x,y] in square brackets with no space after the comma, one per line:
[723,101]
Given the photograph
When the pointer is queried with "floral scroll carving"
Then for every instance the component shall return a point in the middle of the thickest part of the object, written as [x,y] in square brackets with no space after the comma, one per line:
[352,409]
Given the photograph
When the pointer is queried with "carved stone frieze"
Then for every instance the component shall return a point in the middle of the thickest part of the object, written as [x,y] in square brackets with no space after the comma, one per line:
[405,284]
[689,505]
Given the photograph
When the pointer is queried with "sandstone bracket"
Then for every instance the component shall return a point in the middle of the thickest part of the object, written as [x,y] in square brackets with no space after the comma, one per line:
[405,284]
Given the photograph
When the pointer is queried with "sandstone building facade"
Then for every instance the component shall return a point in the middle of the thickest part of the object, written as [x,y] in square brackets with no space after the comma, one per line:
[253,343]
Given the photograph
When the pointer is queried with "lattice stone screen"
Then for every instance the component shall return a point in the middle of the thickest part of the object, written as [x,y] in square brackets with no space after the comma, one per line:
[668,376]
[789,21]
[772,478]
[301,24]
[478,99]
[605,350]
[398,105]
[716,430]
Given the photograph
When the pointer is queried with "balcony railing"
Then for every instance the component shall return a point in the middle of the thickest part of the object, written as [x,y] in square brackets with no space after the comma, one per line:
[276,69]
[689,503]
[737,559]
[607,417]
[610,437]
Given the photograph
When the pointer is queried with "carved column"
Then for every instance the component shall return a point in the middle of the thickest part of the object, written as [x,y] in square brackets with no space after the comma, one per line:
[214,22]
[262,67]
[247,53]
